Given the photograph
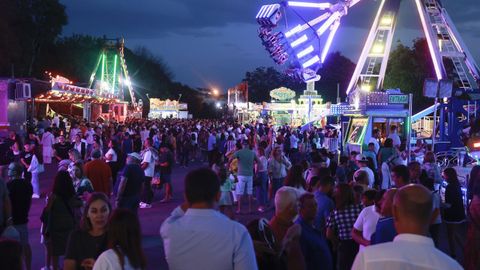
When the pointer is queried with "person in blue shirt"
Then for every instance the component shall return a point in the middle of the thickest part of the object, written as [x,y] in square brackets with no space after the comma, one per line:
[385,230]
[322,187]
[313,243]
[370,153]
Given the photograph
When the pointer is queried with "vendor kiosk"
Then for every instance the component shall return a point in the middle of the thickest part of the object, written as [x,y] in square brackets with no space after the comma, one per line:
[381,111]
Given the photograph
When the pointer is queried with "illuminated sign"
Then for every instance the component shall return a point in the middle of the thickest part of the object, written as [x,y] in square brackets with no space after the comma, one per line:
[398,99]
[358,126]
[157,104]
[282,93]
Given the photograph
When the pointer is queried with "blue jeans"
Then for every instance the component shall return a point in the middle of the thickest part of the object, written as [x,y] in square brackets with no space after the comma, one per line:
[35,184]
[130,202]
[277,183]
[262,188]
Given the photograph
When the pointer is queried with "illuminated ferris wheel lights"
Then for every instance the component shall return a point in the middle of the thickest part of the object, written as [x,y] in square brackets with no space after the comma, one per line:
[299,41]
[378,49]
[311,61]
[127,82]
[327,24]
[386,21]
[304,52]
[309,4]
[328,43]
[366,87]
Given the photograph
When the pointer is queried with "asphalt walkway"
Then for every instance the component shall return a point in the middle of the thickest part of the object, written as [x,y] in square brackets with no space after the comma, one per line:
[150,219]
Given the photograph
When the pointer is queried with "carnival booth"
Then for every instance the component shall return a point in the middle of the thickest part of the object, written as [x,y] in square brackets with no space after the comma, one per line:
[284,110]
[67,99]
[381,110]
[167,109]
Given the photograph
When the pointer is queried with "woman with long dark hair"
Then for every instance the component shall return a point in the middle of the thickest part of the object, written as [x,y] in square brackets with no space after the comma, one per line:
[59,216]
[472,246]
[295,179]
[88,242]
[340,224]
[454,213]
[81,183]
[124,243]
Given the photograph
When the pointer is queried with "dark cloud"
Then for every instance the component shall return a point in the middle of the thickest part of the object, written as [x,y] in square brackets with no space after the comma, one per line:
[215,41]
[145,18]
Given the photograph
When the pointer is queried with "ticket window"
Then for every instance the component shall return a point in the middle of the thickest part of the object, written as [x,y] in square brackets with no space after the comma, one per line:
[384,125]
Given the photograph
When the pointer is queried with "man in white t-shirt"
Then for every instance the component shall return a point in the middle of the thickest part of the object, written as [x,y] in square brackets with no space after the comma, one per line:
[374,140]
[293,141]
[365,225]
[412,248]
[394,136]
[148,166]
[362,163]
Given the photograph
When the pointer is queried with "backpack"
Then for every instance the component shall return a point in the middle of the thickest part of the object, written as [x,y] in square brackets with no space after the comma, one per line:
[264,244]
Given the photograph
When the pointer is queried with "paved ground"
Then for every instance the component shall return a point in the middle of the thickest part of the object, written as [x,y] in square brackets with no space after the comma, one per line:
[150,219]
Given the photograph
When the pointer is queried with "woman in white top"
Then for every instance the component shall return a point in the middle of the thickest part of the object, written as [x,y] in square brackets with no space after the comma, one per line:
[111,157]
[262,179]
[47,143]
[124,243]
[278,165]
[35,168]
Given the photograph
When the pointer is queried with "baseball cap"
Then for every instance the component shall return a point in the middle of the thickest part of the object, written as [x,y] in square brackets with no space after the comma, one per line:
[361,158]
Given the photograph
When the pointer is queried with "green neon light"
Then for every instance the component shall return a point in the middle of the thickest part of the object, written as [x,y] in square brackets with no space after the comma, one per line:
[95,71]
[103,68]
[114,73]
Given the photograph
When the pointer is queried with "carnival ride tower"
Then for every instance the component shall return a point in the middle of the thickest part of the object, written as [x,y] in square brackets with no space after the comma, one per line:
[110,75]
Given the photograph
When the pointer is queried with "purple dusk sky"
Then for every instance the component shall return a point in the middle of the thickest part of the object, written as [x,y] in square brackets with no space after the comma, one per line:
[212,43]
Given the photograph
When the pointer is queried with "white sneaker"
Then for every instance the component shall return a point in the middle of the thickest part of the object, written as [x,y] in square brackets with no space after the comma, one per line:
[145,205]
[35,196]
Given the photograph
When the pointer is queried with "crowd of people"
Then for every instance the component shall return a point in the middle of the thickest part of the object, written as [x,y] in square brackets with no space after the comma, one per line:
[321,207]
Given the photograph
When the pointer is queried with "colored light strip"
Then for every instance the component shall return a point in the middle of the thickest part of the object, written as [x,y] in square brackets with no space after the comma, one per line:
[328,43]
[308,50]
[299,41]
[300,28]
[262,9]
[327,24]
[353,3]
[103,67]
[309,4]
[312,61]
[475,145]
[114,73]
[436,65]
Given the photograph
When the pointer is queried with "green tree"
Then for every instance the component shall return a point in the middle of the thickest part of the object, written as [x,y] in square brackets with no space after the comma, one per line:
[263,79]
[35,24]
[407,70]
[337,69]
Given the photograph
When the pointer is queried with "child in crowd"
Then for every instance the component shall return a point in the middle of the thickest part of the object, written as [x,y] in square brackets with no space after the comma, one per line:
[368,197]
[225,203]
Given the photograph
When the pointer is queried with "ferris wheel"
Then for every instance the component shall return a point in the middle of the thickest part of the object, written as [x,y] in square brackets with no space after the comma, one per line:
[305,46]
[302,45]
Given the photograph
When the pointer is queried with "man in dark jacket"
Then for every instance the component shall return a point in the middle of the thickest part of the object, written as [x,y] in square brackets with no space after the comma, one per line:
[20,192]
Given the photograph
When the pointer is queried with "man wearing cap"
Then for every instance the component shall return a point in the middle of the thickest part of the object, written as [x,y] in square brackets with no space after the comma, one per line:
[130,186]
[362,163]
